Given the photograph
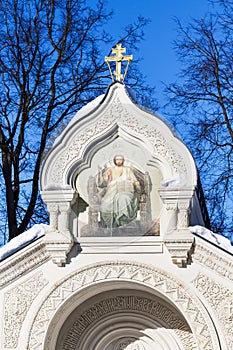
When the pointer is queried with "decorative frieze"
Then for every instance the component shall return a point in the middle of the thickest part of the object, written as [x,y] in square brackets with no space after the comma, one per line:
[214,261]
[20,264]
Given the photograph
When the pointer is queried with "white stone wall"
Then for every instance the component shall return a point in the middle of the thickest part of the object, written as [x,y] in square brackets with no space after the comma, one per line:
[39,297]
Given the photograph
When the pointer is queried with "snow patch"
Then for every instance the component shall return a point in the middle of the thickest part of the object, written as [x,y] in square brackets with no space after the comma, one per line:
[91,105]
[215,238]
[178,180]
[54,187]
[22,240]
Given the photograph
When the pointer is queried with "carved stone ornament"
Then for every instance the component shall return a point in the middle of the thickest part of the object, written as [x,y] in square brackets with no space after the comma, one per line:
[184,299]
[16,305]
[127,305]
[221,300]
[215,262]
[116,114]
[181,250]
[58,246]
[19,265]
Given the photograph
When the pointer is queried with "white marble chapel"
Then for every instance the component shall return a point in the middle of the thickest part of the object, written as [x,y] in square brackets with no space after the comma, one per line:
[119,266]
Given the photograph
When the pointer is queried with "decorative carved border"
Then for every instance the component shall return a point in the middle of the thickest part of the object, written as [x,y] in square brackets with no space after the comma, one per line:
[135,304]
[16,305]
[22,263]
[215,262]
[184,299]
[74,148]
[221,299]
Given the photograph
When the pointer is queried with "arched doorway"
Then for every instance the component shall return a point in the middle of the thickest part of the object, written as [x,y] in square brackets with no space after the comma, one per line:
[89,304]
[125,318]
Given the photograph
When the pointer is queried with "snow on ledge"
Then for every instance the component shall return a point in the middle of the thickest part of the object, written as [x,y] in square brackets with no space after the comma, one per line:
[22,240]
[215,238]
[55,187]
[178,180]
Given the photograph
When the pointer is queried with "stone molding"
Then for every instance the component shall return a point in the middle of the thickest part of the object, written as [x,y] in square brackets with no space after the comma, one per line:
[16,305]
[183,297]
[212,259]
[221,300]
[22,262]
[181,250]
[128,304]
[125,343]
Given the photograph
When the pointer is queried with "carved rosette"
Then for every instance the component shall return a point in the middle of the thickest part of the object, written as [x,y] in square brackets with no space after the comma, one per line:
[16,305]
[160,281]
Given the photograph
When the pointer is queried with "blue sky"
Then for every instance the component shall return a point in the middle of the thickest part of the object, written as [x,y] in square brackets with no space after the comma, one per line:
[159,59]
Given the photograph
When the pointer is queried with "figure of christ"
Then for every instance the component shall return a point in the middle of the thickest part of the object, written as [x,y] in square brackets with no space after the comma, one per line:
[119,193]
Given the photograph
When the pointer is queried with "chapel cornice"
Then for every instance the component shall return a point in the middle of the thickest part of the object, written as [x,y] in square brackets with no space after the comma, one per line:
[213,258]
[20,263]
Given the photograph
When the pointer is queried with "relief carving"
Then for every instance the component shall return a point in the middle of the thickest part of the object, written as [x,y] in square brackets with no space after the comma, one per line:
[16,305]
[27,261]
[123,304]
[221,299]
[161,146]
[215,262]
[188,303]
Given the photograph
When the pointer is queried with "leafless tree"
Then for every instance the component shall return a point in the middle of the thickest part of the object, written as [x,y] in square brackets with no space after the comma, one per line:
[202,98]
[51,63]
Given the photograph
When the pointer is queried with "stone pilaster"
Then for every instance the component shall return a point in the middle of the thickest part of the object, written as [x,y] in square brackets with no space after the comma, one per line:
[175,222]
[59,239]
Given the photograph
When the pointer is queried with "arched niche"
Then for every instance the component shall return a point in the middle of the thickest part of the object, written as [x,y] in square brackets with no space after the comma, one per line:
[117,126]
[125,315]
[149,171]
[115,116]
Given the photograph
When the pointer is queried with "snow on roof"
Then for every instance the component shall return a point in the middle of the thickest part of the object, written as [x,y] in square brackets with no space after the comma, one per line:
[22,240]
[215,238]
[80,113]
[92,104]
[39,230]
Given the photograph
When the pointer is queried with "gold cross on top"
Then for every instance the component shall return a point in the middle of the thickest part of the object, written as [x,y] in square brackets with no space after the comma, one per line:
[118,58]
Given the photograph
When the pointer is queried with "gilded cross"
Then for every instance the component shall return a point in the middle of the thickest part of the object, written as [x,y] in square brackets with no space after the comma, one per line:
[118,58]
